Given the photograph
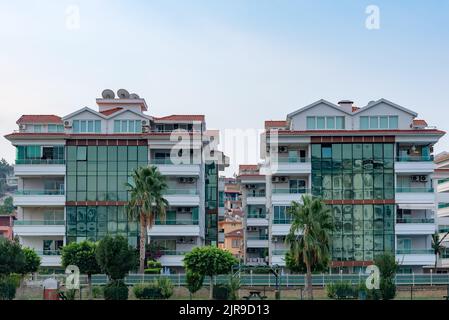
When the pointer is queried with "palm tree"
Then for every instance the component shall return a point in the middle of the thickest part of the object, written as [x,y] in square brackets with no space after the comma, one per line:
[146,202]
[437,247]
[314,220]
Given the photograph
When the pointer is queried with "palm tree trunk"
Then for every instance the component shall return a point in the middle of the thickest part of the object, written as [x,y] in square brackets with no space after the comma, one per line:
[309,288]
[211,288]
[142,244]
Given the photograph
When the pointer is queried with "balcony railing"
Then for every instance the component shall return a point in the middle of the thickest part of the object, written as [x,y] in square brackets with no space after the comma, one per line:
[256,194]
[39,222]
[256,215]
[38,192]
[414,158]
[40,161]
[291,160]
[291,190]
[181,192]
[442,205]
[279,252]
[257,237]
[49,253]
[441,181]
[414,189]
[282,221]
[176,222]
[415,220]
[168,161]
[414,251]
[174,252]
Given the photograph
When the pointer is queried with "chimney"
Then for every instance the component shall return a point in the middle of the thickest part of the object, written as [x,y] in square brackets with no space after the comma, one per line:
[346,104]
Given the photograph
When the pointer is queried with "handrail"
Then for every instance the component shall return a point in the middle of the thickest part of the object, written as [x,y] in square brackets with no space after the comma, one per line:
[37,192]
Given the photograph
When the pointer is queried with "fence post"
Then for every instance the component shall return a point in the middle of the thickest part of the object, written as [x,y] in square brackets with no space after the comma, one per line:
[286,276]
[251,277]
[269,280]
[431,273]
[179,280]
[413,278]
[341,275]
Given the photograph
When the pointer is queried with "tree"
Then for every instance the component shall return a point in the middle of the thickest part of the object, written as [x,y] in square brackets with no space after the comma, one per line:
[5,170]
[115,257]
[147,202]
[313,219]
[82,255]
[32,261]
[298,266]
[7,207]
[12,258]
[388,266]
[437,246]
[209,261]
[194,282]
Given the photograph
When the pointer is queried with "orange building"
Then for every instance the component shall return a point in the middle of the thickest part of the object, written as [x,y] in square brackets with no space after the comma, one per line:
[6,224]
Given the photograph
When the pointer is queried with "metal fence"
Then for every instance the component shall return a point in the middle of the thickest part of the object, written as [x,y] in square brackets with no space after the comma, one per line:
[267,280]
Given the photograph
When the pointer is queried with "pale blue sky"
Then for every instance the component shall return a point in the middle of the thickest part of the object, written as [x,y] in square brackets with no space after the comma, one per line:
[237,62]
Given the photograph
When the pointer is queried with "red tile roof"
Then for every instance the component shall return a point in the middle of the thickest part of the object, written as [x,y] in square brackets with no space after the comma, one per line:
[248,167]
[275,124]
[111,111]
[235,234]
[420,123]
[354,109]
[182,117]
[39,118]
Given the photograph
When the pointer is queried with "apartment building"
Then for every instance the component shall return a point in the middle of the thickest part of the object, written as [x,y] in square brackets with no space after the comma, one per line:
[373,165]
[72,172]
[442,174]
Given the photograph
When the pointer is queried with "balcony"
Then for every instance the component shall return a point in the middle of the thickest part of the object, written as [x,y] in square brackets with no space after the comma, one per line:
[256,241]
[39,227]
[254,261]
[39,167]
[50,258]
[414,164]
[415,195]
[38,197]
[173,258]
[406,226]
[178,227]
[182,197]
[168,168]
[415,256]
[285,165]
[284,196]
[256,198]
[256,219]
[278,257]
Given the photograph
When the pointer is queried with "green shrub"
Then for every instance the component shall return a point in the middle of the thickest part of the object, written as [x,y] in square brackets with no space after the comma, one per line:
[387,288]
[8,288]
[71,294]
[147,292]
[166,287]
[341,290]
[153,267]
[97,292]
[221,292]
[233,286]
[115,290]
[152,271]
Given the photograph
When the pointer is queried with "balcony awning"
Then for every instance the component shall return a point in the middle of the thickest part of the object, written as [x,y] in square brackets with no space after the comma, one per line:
[416,206]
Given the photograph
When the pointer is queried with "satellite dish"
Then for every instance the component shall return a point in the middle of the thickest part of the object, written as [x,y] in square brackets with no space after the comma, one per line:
[123,94]
[134,96]
[108,94]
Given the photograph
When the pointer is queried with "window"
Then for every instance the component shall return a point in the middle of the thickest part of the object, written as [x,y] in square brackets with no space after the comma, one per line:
[320,123]
[37,128]
[374,122]
[364,123]
[236,243]
[97,126]
[378,122]
[383,122]
[311,123]
[128,126]
[85,126]
[340,122]
[393,122]
[330,122]
[76,126]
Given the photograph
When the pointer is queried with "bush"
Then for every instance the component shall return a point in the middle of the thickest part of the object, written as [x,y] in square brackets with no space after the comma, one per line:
[221,292]
[153,267]
[147,292]
[166,287]
[234,286]
[71,294]
[387,288]
[8,287]
[194,281]
[341,290]
[115,290]
[97,292]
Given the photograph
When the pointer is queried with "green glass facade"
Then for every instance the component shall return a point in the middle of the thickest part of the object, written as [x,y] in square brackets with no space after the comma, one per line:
[357,171]
[98,174]
[211,195]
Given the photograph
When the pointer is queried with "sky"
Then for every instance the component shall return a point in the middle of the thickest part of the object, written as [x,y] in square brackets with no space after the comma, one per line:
[239,62]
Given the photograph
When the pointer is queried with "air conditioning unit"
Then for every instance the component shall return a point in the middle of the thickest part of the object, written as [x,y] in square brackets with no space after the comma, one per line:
[183,210]
[414,178]
[190,180]
[283,179]
[181,240]
[250,186]
[283,149]
[186,180]
[275,179]
[67,124]
[275,239]
[422,178]
[22,127]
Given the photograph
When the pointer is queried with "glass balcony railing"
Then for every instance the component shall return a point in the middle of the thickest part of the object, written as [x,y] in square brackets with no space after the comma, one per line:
[256,215]
[414,251]
[257,237]
[168,161]
[39,222]
[414,158]
[181,192]
[291,160]
[282,220]
[49,253]
[37,192]
[415,220]
[40,161]
[279,252]
[414,189]
[177,222]
[291,191]
[174,252]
